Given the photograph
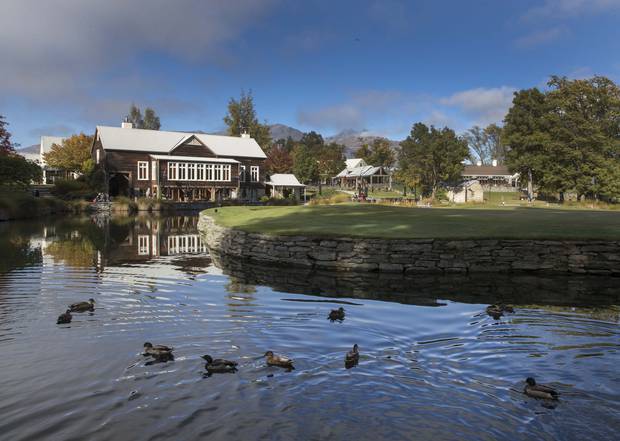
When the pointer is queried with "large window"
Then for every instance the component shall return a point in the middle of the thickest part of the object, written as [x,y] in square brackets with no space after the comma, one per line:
[192,171]
[143,170]
[254,173]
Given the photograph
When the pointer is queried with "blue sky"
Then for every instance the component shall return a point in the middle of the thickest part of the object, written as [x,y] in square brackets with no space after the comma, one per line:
[379,66]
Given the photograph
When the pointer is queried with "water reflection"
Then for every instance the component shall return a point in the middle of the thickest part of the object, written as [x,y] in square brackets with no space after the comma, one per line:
[432,365]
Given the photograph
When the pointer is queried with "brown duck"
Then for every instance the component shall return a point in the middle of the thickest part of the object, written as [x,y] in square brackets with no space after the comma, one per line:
[278,360]
[83,306]
[542,391]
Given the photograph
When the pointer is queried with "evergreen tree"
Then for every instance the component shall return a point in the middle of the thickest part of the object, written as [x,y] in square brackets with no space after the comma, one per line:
[6,146]
[241,117]
[305,166]
[151,120]
[135,117]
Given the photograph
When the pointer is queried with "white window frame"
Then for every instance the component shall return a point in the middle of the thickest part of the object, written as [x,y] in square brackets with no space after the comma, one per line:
[153,170]
[217,172]
[242,176]
[98,155]
[193,171]
[144,241]
[172,171]
[254,173]
[226,172]
[209,174]
[143,170]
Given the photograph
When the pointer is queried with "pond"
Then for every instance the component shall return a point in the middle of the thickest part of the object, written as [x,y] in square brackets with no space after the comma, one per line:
[433,364]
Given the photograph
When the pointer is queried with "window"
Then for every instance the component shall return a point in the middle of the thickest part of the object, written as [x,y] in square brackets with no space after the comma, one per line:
[191,172]
[153,170]
[226,172]
[200,172]
[143,245]
[209,172]
[98,155]
[143,170]
[254,173]
[182,171]
[242,173]
[217,175]
[172,171]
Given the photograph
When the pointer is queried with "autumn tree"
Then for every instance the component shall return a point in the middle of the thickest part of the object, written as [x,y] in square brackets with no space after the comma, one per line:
[279,160]
[73,154]
[241,117]
[432,157]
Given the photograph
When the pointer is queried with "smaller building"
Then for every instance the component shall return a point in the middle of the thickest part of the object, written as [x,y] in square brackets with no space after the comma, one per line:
[492,177]
[358,175]
[282,185]
[467,191]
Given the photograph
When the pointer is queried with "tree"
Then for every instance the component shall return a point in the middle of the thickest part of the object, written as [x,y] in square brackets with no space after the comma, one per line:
[432,156]
[135,117]
[151,120]
[486,144]
[314,141]
[18,171]
[568,138]
[279,160]
[6,146]
[72,155]
[330,160]
[379,153]
[241,117]
[305,166]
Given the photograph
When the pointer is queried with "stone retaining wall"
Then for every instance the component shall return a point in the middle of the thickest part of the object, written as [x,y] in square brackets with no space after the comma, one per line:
[415,255]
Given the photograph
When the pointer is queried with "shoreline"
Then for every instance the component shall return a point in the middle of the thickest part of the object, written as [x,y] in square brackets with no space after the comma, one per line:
[411,256]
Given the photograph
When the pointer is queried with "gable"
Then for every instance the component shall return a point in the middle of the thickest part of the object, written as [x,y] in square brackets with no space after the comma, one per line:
[193,147]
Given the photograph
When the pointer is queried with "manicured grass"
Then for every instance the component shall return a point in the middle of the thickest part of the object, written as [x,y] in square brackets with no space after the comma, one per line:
[385,194]
[366,220]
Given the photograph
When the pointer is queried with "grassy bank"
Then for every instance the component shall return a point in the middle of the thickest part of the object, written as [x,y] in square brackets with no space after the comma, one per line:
[361,220]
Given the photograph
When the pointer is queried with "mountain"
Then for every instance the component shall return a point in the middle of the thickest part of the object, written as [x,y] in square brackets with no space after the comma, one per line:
[353,140]
[280,131]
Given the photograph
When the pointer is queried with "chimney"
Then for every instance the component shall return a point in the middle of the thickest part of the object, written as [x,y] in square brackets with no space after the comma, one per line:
[494,163]
[126,124]
[245,134]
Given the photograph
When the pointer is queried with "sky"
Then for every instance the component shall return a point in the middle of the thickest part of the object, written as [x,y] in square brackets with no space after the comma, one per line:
[374,66]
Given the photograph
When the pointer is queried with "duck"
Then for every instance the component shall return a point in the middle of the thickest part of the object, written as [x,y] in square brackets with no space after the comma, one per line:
[64,318]
[219,365]
[336,314]
[536,390]
[278,360]
[496,311]
[159,352]
[83,306]
[352,357]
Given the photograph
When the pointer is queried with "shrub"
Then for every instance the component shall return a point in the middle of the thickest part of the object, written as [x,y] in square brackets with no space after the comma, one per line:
[68,189]
[337,198]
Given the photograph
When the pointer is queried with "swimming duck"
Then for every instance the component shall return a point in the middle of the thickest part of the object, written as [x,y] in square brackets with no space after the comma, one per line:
[64,318]
[219,365]
[159,352]
[278,360]
[496,311]
[83,306]
[352,357]
[336,314]
[535,390]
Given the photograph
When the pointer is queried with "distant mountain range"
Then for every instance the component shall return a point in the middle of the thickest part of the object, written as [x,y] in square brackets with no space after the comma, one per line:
[351,139]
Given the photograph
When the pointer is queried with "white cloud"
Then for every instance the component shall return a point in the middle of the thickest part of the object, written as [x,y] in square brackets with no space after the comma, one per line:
[483,105]
[52,49]
[537,38]
[558,9]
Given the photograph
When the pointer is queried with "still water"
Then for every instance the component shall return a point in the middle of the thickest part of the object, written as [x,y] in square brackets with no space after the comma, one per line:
[433,365]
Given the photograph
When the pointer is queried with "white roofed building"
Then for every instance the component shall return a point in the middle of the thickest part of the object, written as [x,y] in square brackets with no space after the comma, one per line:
[359,175]
[281,185]
[179,166]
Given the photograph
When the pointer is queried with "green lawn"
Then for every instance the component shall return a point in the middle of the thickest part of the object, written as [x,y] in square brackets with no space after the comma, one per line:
[404,222]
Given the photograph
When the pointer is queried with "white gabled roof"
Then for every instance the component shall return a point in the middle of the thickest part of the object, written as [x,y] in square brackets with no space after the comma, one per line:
[159,141]
[284,180]
[48,141]
[194,159]
[355,162]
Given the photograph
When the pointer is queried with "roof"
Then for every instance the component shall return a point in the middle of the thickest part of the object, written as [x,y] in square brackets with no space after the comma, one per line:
[160,141]
[194,159]
[366,170]
[284,180]
[486,170]
[48,141]
[355,162]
